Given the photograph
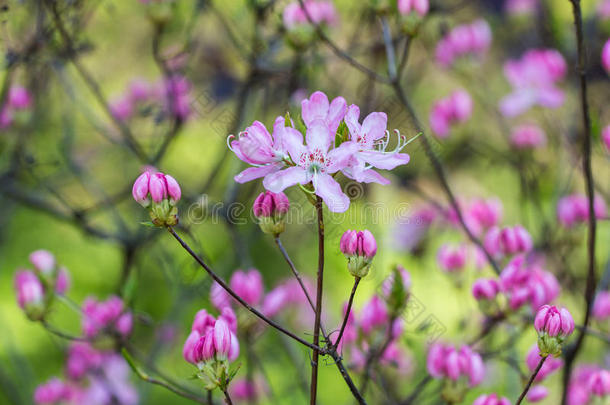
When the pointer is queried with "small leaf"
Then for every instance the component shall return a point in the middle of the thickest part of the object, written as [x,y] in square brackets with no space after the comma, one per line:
[149,224]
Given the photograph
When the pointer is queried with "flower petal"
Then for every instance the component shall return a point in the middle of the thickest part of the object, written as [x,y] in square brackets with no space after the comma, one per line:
[336,112]
[375,125]
[252,173]
[314,108]
[351,120]
[319,136]
[330,191]
[278,181]
[386,161]
[340,157]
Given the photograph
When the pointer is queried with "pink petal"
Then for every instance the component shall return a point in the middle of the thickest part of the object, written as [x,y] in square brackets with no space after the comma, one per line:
[330,191]
[252,173]
[278,181]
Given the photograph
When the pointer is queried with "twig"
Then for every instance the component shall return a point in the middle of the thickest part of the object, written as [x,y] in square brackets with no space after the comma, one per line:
[227,397]
[236,296]
[531,380]
[572,352]
[316,328]
[347,312]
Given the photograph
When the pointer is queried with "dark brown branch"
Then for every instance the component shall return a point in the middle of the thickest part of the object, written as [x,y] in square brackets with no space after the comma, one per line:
[531,380]
[320,285]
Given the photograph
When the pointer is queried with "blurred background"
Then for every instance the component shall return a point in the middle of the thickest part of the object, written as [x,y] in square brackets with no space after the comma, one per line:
[68,161]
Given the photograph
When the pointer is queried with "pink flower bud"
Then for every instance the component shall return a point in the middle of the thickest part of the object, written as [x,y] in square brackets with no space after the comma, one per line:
[528,136]
[373,314]
[491,399]
[574,209]
[537,393]
[452,258]
[19,98]
[222,338]
[30,292]
[204,349]
[82,358]
[140,189]
[599,383]
[485,213]
[461,105]
[173,189]
[124,324]
[188,350]
[553,321]
[203,321]
[606,56]
[43,261]
[139,90]
[219,297]
[269,204]
[435,362]
[485,289]
[421,7]
[601,306]
[63,281]
[551,364]
[358,243]
[51,392]
[234,349]
[275,300]
[157,187]
[121,108]
[248,285]
[243,390]
[230,318]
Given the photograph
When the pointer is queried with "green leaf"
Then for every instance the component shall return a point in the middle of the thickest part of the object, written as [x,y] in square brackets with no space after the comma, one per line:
[149,224]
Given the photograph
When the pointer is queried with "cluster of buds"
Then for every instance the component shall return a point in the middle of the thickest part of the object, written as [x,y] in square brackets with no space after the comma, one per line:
[446,112]
[110,317]
[36,289]
[491,399]
[524,281]
[589,385]
[553,326]
[359,247]
[466,39]
[574,209]
[406,7]
[270,209]
[487,292]
[211,345]
[159,193]
[508,241]
[461,369]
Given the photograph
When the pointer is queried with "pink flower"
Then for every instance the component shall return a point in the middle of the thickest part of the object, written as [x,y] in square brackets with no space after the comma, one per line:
[452,258]
[605,136]
[51,392]
[63,281]
[485,289]
[269,204]
[188,350]
[315,164]
[457,108]
[533,78]
[98,316]
[483,214]
[421,7]
[520,7]
[82,358]
[317,107]
[528,136]
[525,282]
[43,261]
[601,306]
[447,362]
[30,292]
[230,318]
[202,322]
[468,39]
[537,393]
[372,139]
[553,321]
[19,98]
[373,315]
[491,399]
[599,383]
[319,12]
[140,90]
[222,338]
[266,153]
[122,108]
[219,297]
[551,364]
[243,390]
[507,241]
[606,56]
[248,285]
[574,208]
[176,98]
[157,187]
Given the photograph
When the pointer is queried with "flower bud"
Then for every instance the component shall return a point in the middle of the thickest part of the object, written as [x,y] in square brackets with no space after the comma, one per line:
[537,393]
[553,326]
[43,261]
[222,338]
[491,399]
[485,291]
[601,306]
[164,191]
[452,258]
[248,285]
[234,349]
[19,98]
[62,282]
[606,56]
[203,321]
[51,392]
[30,294]
[188,350]
[396,290]
[359,247]
[270,209]
[599,384]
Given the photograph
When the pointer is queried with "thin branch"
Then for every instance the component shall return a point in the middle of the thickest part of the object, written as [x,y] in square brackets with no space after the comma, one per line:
[589,295]
[531,380]
[348,310]
[224,285]
[316,328]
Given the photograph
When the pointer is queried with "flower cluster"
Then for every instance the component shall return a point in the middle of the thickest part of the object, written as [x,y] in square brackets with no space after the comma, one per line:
[507,241]
[18,99]
[456,108]
[109,316]
[491,399]
[553,326]
[528,136]
[534,78]
[36,289]
[460,369]
[172,94]
[589,385]
[359,247]
[211,345]
[406,7]
[574,209]
[159,193]
[92,377]
[284,160]
[467,39]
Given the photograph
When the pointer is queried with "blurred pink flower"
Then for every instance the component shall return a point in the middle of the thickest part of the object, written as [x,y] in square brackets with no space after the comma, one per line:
[551,364]
[248,285]
[446,362]
[452,258]
[456,108]
[606,56]
[573,209]
[320,12]
[421,7]
[528,136]
[468,39]
[601,306]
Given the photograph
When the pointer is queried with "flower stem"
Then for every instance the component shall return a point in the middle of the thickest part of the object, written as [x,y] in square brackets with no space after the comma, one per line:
[531,380]
[347,312]
[316,327]
[227,397]
[224,285]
